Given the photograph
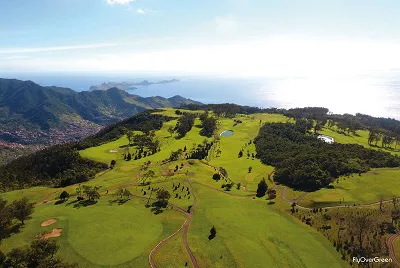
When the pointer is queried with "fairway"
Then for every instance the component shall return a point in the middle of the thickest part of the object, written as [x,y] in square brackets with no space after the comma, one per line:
[367,188]
[252,234]
[102,234]
[361,138]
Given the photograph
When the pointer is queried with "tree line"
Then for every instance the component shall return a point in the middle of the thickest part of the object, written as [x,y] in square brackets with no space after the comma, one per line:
[303,162]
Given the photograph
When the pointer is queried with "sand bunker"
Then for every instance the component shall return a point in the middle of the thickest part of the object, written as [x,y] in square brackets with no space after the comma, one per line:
[55,233]
[48,222]
[113,151]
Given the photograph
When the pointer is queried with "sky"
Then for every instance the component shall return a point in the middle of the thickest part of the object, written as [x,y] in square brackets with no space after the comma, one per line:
[229,37]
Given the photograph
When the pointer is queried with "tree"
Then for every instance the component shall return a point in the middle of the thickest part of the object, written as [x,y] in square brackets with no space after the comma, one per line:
[360,224]
[112,163]
[262,188]
[171,130]
[22,209]
[184,124]
[92,193]
[130,136]
[149,174]
[40,254]
[127,194]
[64,195]
[240,154]
[175,155]
[6,216]
[213,233]
[216,177]
[79,192]
[209,125]
[250,169]
[17,258]
[163,196]
[119,193]
[2,258]
[271,194]
[129,157]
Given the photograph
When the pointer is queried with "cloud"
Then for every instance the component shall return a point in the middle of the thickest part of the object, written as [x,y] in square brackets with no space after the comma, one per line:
[14,57]
[47,49]
[226,24]
[119,2]
[144,11]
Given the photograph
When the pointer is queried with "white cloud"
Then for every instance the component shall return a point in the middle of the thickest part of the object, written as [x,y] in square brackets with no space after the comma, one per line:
[119,2]
[56,48]
[275,56]
[144,11]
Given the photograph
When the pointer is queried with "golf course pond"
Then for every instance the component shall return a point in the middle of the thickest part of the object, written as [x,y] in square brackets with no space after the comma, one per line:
[227,133]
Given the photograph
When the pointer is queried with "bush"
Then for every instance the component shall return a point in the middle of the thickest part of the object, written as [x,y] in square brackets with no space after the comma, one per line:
[216,177]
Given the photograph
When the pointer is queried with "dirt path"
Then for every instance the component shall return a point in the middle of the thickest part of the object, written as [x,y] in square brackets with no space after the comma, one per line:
[185,228]
[392,253]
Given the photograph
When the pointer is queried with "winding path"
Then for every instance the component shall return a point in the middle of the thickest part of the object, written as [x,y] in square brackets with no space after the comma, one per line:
[392,253]
[185,228]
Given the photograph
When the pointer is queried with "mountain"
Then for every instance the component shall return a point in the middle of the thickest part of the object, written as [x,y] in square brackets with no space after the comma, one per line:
[31,114]
[129,85]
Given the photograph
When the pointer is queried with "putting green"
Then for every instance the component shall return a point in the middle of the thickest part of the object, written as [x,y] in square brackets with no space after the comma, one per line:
[101,234]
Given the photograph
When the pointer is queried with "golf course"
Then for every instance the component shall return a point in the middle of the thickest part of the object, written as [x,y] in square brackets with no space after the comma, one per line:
[130,225]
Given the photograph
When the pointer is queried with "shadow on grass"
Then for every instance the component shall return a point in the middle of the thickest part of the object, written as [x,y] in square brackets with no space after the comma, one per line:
[14,229]
[158,207]
[81,203]
[118,201]
[59,202]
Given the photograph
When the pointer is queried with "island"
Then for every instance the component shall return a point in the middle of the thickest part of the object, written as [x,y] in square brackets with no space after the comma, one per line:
[129,85]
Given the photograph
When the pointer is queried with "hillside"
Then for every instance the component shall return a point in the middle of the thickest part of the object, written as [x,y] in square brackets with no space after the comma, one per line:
[196,199]
[31,114]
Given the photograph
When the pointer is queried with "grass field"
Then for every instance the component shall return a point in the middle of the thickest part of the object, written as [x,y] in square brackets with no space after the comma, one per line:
[367,188]
[361,138]
[252,234]
[102,234]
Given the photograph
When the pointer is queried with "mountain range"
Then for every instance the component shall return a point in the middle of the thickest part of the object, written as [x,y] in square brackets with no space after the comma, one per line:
[31,114]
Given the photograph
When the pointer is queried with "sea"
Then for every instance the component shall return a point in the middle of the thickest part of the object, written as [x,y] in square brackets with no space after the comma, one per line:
[373,93]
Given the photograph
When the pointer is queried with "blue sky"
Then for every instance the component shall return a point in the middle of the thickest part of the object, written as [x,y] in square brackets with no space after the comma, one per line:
[238,37]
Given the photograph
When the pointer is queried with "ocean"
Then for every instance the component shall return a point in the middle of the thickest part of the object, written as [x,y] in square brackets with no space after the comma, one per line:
[375,93]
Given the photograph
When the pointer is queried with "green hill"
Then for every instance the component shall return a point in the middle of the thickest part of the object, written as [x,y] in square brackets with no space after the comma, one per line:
[32,105]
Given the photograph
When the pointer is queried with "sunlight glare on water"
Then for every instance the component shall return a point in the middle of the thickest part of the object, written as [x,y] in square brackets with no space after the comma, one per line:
[340,95]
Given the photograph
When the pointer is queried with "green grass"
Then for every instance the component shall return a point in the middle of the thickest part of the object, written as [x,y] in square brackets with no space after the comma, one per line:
[230,146]
[361,138]
[367,188]
[173,254]
[102,234]
[34,194]
[251,233]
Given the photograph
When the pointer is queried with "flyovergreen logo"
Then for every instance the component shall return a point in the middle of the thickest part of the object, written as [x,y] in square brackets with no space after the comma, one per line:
[375,259]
